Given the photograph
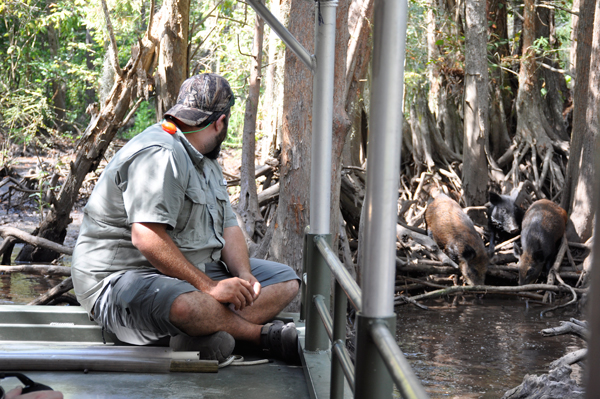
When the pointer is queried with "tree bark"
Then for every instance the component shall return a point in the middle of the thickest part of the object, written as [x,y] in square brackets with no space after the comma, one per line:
[248,207]
[292,213]
[172,67]
[474,173]
[271,107]
[578,188]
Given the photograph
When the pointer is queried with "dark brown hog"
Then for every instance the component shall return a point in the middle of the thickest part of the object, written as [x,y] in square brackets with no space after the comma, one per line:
[543,227]
[454,232]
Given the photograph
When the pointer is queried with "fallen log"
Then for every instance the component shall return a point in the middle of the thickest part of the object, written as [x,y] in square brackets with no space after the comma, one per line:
[44,270]
[7,231]
[556,384]
[489,289]
[270,194]
[65,286]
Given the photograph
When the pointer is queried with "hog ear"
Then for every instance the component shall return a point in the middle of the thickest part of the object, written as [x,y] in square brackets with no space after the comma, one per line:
[517,249]
[495,199]
[468,253]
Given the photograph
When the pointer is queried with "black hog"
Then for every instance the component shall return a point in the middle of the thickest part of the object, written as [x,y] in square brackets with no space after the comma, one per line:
[455,234]
[504,218]
[543,227]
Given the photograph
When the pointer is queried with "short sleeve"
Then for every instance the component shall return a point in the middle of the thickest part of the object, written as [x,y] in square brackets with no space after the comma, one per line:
[229,218]
[153,190]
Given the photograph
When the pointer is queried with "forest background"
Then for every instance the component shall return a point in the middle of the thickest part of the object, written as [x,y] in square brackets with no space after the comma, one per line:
[506,87]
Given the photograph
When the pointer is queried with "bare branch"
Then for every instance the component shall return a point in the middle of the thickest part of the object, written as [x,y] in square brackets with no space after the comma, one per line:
[113,41]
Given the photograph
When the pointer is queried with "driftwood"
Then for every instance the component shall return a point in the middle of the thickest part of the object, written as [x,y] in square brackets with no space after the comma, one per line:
[486,289]
[21,236]
[65,286]
[44,270]
[268,195]
[558,382]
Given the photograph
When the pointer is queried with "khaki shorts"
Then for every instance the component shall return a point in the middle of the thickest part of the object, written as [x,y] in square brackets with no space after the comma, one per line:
[135,305]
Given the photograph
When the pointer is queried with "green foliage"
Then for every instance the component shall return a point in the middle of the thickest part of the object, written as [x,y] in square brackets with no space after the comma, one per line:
[221,44]
[144,117]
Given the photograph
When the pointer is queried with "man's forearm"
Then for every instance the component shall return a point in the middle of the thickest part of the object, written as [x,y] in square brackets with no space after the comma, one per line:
[157,246]
[235,252]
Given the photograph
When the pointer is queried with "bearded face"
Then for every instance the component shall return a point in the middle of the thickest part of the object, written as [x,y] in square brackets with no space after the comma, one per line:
[214,153]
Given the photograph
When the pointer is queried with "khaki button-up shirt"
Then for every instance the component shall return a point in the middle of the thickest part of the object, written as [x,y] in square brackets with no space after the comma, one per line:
[155,178]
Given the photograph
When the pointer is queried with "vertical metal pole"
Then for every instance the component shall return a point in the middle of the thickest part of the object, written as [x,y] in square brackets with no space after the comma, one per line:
[318,273]
[339,333]
[381,198]
[318,283]
[322,117]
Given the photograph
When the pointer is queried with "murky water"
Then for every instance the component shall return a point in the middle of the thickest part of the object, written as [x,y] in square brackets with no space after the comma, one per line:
[481,348]
[20,289]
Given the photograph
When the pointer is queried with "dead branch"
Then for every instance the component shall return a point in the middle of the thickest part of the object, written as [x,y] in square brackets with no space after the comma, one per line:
[570,358]
[65,286]
[488,289]
[7,231]
[568,327]
[44,270]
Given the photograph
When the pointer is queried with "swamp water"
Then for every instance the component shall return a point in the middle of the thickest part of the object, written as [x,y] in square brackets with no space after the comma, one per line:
[479,348]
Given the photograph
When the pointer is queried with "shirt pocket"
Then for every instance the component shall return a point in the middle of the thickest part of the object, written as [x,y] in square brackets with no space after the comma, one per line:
[222,198]
[192,219]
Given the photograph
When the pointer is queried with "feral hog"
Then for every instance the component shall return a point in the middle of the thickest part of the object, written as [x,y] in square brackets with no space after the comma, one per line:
[543,227]
[455,234]
[504,218]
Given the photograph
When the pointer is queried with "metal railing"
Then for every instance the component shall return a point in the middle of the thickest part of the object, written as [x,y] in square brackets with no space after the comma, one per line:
[399,370]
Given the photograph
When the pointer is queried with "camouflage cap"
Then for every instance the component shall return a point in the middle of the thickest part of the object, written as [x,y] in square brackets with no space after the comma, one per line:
[202,98]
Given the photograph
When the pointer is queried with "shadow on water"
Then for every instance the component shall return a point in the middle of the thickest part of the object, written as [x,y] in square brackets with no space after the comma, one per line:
[481,348]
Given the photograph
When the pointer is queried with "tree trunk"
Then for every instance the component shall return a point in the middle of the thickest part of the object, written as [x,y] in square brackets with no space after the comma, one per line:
[57,86]
[90,91]
[574,31]
[433,72]
[474,172]
[292,212]
[555,87]
[583,203]
[501,100]
[533,128]
[248,207]
[578,189]
[172,67]
[130,81]
[270,106]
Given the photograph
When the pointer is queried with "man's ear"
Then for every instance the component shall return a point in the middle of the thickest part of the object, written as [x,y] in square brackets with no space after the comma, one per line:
[219,123]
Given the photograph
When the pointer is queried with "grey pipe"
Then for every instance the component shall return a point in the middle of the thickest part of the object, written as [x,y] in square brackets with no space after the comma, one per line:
[324,314]
[385,122]
[346,281]
[131,359]
[339,349]
[322,118]
[291,42]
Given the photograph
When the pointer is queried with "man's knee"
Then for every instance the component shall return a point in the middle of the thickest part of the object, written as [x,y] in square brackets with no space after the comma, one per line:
[182,307]
[291,288]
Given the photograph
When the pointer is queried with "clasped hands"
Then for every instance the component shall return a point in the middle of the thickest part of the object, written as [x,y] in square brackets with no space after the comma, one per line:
[239,291]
